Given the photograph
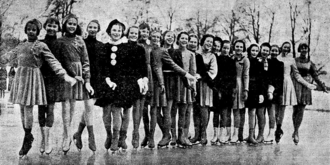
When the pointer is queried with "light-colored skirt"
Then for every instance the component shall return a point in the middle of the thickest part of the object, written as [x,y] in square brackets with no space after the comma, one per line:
[205,94]
[289,94]
[28,87]
[239,103]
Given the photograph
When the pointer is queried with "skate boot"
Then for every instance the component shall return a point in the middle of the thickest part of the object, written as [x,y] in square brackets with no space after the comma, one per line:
[27,143]
[215,136]
[77,136]
[135,140]
[115,137]
[122,140]
[91,138]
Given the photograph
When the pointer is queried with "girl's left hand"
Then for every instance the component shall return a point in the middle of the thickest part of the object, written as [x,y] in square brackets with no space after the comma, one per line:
[89,88]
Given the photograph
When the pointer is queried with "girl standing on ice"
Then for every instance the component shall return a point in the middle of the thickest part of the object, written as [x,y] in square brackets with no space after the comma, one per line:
[308,71]
[71,51]
[46,112]
[28,85]
[93,46]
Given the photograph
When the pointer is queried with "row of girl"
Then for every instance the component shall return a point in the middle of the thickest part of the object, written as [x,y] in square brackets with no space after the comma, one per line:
[123,76]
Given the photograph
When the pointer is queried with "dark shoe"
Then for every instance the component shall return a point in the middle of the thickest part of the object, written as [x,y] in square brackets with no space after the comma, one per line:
[77,136]
[180,141]
[174,139]
[240,134]
[151,140]
[278,134]
[144,142]
[91,138]
[115,139]
[122,140]
[135,140]
[295,138]
[27,144]
[251,139]
[107,142]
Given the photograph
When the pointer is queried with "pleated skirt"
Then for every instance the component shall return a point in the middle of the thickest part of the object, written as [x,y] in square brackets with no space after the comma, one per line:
[28,87]
[204,94]
[158,98]
[76,92]
[183,94]
[304,95]
[170,79]
[289,94]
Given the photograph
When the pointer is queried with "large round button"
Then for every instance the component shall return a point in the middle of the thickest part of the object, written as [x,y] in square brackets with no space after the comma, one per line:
[113,56]
[113,62]
[114,48]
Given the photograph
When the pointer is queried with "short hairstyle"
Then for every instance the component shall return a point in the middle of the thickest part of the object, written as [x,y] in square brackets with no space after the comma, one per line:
[204,38]
[162,42]
[35,22]
[53,20]
[113,23]
[129,29]
[97,22]
[180,34]
[194,36]
[276,46]
[217,39]
[250,48]
[301,45]
[240,41]
[265,44]
[64,28]
[144,26]
[286,42]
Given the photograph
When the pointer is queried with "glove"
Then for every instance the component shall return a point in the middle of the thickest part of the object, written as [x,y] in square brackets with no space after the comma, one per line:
[245,95]
[261,99]
[270,96]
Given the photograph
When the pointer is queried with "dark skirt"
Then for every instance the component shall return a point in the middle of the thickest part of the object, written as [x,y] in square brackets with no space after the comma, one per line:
[253,95]
[125,94]
[76,92]
[170,79]
[226,100]
[183,94]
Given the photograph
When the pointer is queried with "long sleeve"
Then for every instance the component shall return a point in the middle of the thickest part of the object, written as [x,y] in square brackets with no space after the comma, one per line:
[313,72]
[51,60]
[169,61]
[192,67]
[141,66]
[60,56]
[156,66]
[85,63]
[296,75]
[246,76]
[213,71]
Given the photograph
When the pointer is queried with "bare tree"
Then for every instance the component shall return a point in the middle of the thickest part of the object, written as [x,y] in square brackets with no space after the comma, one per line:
[59,8]
[253,12]
[294,13]
[4,6]
[169,10]
[138,11]
[233,25]
[271,13]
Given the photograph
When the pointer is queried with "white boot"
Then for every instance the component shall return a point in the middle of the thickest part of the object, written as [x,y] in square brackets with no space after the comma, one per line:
[270,137]
[222,135]
[215,137]
[48,144]
[42,143]
[234,139]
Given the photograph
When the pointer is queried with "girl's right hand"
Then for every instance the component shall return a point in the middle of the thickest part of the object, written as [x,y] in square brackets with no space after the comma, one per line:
[70,80]
[111,84]
[311,86]
[79,78]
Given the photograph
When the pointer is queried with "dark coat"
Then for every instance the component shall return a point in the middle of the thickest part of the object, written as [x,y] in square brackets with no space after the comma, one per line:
[130,66]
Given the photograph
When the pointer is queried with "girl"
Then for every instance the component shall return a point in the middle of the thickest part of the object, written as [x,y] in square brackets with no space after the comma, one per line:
[46,112]
[253,101]
[225,82]
[92,46]
[162,97]
[276,74]
[141,106]
[122,72]
[242,86]
[308,71]
[217,51]
[72,53]
[133,35]
[28,85]
[289,95]
[207,70]
[184,91]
